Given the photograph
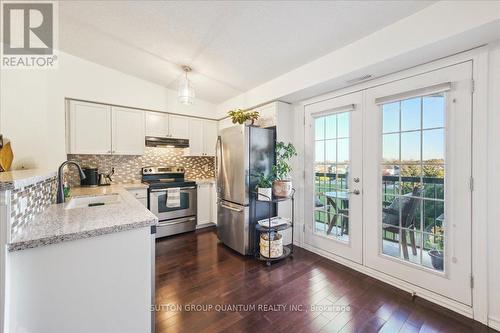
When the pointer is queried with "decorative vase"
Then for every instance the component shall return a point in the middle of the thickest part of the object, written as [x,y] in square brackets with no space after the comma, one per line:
[436,259]
[282,188]
[265,193]
[276,245]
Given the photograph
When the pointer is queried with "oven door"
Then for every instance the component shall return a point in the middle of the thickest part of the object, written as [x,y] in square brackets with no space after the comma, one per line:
[158,204]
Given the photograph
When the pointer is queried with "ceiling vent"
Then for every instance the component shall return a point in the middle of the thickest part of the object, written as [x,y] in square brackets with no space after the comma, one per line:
[359,79]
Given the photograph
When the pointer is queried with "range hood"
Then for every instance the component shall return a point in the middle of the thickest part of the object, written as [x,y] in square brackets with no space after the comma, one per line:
[154,141]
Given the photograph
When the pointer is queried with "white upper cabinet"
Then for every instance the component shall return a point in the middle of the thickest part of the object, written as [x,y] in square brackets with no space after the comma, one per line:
[178,127]
[102,129]
[88,128]
[195,137]
[94,128]
[128,131]
[167,126]
[202,137]
[156,124]
[210,133]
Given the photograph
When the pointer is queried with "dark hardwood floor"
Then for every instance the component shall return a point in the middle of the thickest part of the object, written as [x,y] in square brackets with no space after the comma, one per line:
[195,270]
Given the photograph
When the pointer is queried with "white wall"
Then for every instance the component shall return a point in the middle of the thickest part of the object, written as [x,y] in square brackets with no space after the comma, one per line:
[494,186]
[32,104]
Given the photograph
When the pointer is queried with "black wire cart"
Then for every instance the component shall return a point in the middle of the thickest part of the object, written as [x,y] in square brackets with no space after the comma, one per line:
[272,230]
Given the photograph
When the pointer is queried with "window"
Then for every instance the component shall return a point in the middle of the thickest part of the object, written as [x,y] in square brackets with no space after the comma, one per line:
[413,174]
[332,159]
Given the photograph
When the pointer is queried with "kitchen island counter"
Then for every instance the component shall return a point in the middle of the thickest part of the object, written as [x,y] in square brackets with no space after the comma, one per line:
[59,224]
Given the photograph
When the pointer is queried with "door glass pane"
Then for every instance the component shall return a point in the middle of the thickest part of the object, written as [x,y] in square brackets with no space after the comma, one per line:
[413,180]
[390,117]
[331,213]
[343,125]
[330,151]
[433,111]
[320,151]
[331,127]
[433,146]
[411,114]
[410,147]
[319,128]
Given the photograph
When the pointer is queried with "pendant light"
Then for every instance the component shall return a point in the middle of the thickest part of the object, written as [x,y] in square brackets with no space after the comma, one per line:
[186,90]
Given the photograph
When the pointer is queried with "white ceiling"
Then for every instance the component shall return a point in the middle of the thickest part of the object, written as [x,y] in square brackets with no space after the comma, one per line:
[233,46]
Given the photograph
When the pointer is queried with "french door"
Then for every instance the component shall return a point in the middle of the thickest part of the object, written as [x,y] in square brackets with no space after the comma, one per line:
[333,176]
[399,201]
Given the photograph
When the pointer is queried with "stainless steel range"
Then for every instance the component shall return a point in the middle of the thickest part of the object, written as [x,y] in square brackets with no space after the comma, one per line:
[177,213]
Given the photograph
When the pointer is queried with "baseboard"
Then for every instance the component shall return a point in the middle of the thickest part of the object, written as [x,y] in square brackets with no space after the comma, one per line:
[405,286]
[494,323]
[205,225]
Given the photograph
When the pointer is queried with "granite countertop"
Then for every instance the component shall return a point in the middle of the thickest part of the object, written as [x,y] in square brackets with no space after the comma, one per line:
[16,179]
[58,224]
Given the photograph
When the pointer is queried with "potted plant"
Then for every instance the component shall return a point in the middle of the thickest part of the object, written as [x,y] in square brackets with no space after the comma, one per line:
[282,185]
[264,186]
[435,242]
[239,116]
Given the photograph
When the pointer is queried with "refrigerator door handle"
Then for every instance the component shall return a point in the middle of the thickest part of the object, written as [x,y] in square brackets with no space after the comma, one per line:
[218,148]
[232,208]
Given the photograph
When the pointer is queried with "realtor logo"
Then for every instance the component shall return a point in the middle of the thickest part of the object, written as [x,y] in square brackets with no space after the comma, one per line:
[28,35]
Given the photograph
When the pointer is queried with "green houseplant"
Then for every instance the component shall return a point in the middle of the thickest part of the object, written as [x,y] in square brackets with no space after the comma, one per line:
[239,116]
[282,185]
[264,186]
[435,243]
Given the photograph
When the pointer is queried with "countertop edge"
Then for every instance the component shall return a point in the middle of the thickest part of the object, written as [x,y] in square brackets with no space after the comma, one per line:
[19,181]
[204,181]
[24,245]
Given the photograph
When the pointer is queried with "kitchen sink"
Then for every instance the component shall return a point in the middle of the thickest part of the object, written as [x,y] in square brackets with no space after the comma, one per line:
[93,201]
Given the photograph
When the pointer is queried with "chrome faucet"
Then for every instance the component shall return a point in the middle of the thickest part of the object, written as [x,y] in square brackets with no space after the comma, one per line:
[60,177]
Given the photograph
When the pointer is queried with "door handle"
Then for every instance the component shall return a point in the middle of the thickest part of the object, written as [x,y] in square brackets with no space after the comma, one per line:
[166,223]
[182,189]
[356,192]
[231,208]
[217,147]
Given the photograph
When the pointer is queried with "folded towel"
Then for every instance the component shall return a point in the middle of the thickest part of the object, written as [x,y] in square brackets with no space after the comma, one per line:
[173,197]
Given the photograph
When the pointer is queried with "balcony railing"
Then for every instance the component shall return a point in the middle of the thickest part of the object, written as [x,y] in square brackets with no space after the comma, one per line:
[392,187]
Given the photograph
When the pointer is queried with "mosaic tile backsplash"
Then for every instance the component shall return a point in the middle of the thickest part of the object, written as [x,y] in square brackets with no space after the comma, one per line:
[38,197]
[128,168]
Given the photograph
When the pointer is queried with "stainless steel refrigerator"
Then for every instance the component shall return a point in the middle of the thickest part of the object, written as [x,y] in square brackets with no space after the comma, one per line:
[241,153]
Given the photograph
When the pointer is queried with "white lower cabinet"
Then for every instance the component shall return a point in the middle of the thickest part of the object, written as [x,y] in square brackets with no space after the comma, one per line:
[213,198]
[207,210]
